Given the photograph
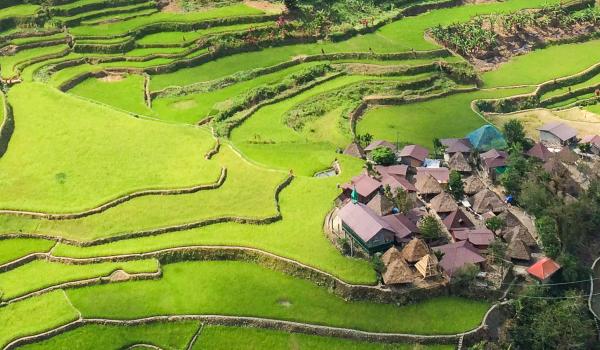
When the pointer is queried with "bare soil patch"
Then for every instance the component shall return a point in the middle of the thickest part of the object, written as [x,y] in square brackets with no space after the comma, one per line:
[585,122]
[173,6]
[112,78]
[119,276]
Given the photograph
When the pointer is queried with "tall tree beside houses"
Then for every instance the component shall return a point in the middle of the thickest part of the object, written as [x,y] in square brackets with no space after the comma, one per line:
[456,186]
[514,132]
[430,228]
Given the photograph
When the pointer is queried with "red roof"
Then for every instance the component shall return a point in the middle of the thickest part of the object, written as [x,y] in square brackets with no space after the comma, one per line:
[540,152]
[365,185]
[380,143]
[543,269]
[414,151]
[442,175]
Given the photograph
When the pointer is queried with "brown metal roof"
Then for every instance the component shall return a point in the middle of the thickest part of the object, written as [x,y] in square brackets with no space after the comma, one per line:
[457,220]
[539,151]
[363,221]
[402,225]
[398,170]
[478,237]
[457,255]
[365,185]
[380,143]
[414,151]
[442,175]
[561,130]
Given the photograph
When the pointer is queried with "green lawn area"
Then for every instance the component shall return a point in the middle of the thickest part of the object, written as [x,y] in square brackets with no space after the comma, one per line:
[41,274]
[9,63]
[594,108]
[226,338]
[298,236]
[420,122]
[236,197]
[126,94]
[165,335]
[35,315]
[266,139]
[123,27]
[231,288]
[594,81]
[79,154]
[399,36]
[181,37]
[18,11]
[15,248]
[544,65]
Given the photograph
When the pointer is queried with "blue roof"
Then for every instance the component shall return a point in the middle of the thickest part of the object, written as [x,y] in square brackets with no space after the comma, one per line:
[486,138]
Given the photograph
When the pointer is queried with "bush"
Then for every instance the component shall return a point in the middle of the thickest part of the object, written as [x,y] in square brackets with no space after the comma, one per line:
[430,228]
[548,232]
[383,156]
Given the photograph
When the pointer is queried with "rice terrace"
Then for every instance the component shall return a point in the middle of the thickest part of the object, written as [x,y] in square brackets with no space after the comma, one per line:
[299,174]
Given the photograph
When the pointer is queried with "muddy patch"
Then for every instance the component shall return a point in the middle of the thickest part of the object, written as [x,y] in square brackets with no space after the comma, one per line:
[266,6]
[119,276]
[171,6]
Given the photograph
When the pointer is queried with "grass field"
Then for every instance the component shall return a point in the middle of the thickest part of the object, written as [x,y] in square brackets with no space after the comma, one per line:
[93,154]
[225,338]
[165,335]
[281,297]
[41,274]
[420,122]
[12,249]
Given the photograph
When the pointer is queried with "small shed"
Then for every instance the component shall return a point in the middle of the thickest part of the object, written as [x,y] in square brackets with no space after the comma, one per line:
[473,184]
[457,255]
[459,163]
[397,272]
[366,188]
[381,205]
[413,155]
[485,201]
[355,150]
[457,220]
[593,141]
[518,250]
[487,137]
[539,151]
[427,185]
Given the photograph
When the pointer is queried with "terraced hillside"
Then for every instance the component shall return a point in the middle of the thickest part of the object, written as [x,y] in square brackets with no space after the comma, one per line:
[157,167]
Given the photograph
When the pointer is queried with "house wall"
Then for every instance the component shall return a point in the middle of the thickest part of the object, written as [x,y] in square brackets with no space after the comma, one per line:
[549,139]
[386,239]
[411,162]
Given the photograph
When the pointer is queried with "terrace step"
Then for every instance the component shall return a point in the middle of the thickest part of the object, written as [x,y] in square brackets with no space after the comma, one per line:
[119,17]
[81,6]
[75,20]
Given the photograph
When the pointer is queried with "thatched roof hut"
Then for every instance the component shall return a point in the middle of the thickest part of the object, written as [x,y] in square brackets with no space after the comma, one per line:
[510,219]
[428,266]
[414,250]
[397,272]
[444,203]
[428,185]
[381,205]
[486,200]
[518,250]
[390,255]
[473,184]
[459,163]
[519,232]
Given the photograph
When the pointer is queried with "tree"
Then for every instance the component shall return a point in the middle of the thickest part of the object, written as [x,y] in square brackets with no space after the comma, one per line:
[438,148]
[364,140]
[456,186]
[377,264]
[291,4]
[402,201]
[383,156]
[495,224]
[546,228]
[535,197]
[517,169]
[430,228]
[464,277]
[514,131]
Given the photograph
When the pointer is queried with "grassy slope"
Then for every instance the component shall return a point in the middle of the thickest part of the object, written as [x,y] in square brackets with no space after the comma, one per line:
[12,249]
[402,35]
[27,318]
[225,338]
[231,288]
[127,94]
[8,63]
[264,138]
[420,122]
[18,11]
[42,274]
[79,154]
[165,335]
[545,64]
[123,27]
[236,197]
[298,236]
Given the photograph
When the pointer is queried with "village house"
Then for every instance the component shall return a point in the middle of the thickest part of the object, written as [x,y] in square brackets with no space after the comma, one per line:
[458,255]
[593,141]
[487,201]
[442,175]
[355,150]
[472,185]
[415,250]
[479,238]
[543,269]
[443,204]
[486,138]
[557,134]
[493,163]
[457,220]
[539,151]
[397,270]
[428,186]
[413,155]
[367,229]
[459,163]
[454,146]
[365,186]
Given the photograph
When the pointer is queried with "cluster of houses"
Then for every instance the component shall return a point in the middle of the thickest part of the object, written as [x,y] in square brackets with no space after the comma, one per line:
[368,218]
